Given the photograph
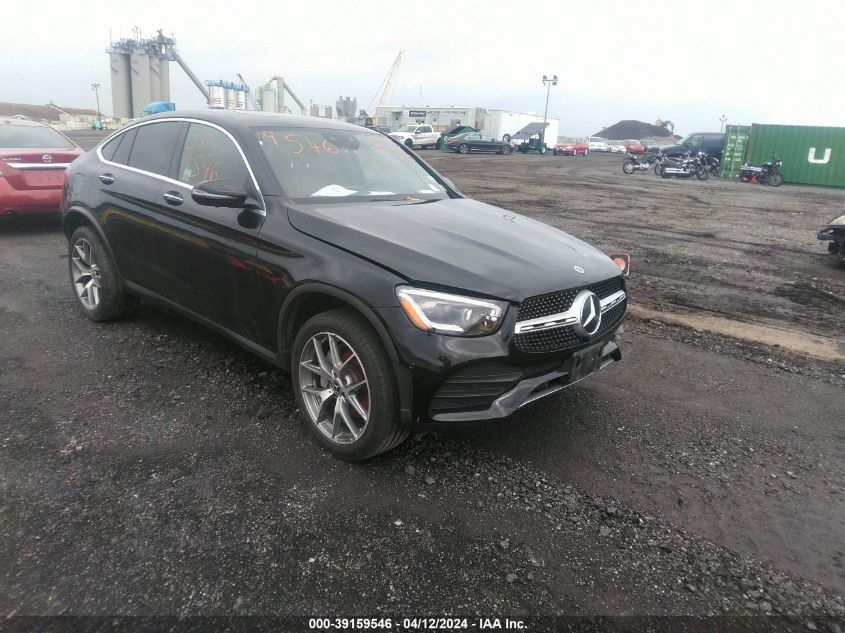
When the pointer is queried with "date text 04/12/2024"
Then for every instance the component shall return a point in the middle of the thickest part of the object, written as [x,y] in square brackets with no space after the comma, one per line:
[436,624]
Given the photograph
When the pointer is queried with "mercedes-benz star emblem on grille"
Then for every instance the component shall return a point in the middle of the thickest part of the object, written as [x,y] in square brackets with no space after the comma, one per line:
[588,308]
[47,158]
[578,269]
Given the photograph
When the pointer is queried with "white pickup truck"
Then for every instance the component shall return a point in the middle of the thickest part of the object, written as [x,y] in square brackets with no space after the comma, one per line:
[416,136]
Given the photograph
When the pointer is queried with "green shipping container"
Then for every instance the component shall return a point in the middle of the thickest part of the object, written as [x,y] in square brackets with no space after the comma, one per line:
[733,151]
[811,155]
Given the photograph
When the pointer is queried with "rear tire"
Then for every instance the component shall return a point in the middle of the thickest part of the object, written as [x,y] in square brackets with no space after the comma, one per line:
[463,148]
[628,167]
[360,360]
[94,279]
[409,144]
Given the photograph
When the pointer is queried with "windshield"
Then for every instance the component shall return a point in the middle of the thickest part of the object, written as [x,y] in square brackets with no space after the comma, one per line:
[312,164]
[32,137]
[408,128]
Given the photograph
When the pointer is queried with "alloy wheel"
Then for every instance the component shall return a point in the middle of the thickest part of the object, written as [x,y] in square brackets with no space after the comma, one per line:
[86,274]
[334,388]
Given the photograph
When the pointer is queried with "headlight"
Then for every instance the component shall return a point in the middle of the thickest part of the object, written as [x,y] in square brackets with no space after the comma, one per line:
[450,314]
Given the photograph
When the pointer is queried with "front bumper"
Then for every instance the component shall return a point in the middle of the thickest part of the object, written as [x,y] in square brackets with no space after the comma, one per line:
[531,389]
[456,380]
[835,236]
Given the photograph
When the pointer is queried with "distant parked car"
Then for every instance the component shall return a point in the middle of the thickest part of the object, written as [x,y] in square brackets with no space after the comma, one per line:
[33,159]
[573,147]
[598,144]
[650,145]
[634,147]
[416,136]
[379,128]
[617,147]
[477,142]
[708,142]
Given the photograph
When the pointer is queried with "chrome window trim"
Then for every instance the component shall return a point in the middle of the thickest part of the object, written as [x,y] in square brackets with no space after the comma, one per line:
[565,318]
[173,181]
[25,166]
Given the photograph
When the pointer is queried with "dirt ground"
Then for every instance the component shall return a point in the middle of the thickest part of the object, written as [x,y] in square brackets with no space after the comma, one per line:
[150,466]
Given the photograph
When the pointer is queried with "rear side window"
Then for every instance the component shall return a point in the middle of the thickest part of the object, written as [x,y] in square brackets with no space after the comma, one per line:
[714,141]
[110,149]
[154,145]
[424,128]
[121,154]
[210,155]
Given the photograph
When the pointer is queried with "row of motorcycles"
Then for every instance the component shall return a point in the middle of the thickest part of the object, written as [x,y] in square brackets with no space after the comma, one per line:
[702,166]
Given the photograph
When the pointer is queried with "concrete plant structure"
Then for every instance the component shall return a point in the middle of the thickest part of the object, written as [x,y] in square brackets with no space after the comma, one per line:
[140,73]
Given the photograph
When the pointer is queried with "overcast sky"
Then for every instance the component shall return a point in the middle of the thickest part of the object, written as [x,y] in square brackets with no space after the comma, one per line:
[690,62]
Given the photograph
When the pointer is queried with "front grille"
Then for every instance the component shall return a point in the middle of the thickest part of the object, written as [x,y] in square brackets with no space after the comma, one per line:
[561,301]
[563,338]
[553,340]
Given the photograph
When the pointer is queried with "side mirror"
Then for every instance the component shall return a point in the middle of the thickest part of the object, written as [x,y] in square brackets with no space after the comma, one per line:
[221,193]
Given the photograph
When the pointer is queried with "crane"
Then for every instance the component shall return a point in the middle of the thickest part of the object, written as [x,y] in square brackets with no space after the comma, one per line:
[386,86]
[168,45]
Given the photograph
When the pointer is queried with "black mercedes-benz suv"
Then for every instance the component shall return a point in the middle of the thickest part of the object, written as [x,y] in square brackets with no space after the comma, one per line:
[340,256]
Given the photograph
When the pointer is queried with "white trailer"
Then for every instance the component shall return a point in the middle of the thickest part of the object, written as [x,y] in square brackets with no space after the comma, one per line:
[502,124]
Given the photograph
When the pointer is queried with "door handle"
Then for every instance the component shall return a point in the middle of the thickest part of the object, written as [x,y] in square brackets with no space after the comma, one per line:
[106,179]
[173,198]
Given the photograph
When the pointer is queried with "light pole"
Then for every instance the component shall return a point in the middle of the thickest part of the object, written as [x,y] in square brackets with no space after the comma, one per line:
[722,120]
[96,88]
[548,83]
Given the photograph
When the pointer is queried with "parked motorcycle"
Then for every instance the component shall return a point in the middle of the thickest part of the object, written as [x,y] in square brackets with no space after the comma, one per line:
[684,167]
[768,173]
[633,163]
[711,163]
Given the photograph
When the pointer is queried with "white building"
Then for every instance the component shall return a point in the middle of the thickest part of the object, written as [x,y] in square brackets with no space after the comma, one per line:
[495,123]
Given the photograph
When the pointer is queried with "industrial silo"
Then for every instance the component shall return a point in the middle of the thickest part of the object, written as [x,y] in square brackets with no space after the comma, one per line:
[216,96]
[121,85]
[240,99]
[164,71]
[139,62]
[231,98]
[155,78]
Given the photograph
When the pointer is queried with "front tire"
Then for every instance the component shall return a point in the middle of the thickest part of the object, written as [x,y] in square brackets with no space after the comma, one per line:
[702,174]
[775,180]
[94,278]
[344,385]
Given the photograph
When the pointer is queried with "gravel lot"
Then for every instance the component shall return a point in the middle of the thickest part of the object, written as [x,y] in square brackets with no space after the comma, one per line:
[152,467]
